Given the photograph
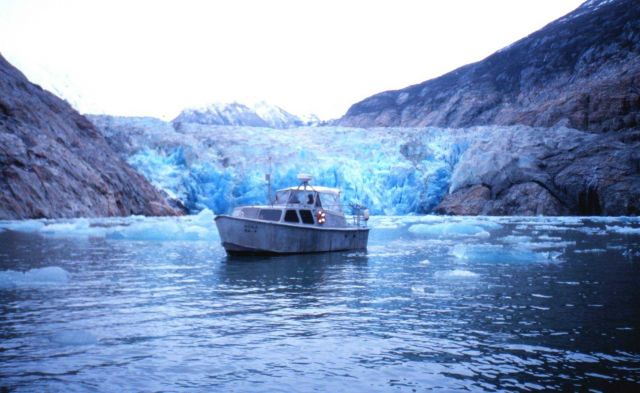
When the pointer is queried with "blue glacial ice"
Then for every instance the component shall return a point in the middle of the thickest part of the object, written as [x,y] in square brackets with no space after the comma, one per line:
[392,171]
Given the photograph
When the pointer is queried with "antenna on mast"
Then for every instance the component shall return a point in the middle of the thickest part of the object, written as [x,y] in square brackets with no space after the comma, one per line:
[267,177]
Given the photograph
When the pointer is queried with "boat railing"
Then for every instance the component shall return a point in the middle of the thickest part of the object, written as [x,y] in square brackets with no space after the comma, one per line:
[359,215]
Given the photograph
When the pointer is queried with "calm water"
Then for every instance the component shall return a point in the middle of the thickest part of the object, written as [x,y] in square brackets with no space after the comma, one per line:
[435,303]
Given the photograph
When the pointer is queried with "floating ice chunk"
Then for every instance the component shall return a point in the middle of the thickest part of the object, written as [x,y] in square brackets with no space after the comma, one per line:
[553,228]
[382,222]
[425,262]
[573,283]
[549,238]
[381,252]
[592,231]
[590,251]
[516,239]
[577,357]
[22,226]
[623,230]
[448,229]
[487,223]
[541,245]
[78,228]
[418,290]
[196,227]
[74,337]
[166,230]
[456,273]
[52,275]
[499,254]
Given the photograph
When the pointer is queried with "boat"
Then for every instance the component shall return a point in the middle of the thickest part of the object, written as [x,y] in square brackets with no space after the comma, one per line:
[301,219]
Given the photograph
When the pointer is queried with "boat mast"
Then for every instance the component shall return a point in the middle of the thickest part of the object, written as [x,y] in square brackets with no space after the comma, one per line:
[267,177]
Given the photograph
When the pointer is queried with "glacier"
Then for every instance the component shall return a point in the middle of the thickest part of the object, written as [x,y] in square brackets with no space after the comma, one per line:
[392,171]
[486,170]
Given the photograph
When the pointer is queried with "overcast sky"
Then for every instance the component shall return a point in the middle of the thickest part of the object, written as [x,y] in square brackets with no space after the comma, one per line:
[155,58]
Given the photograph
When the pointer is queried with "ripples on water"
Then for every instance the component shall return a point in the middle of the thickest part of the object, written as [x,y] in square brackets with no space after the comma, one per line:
[435,303]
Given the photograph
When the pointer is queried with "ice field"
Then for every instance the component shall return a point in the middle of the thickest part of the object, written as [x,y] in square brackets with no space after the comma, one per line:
[393,171]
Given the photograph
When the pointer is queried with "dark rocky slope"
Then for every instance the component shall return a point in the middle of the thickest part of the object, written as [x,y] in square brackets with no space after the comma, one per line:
[520,171]
[54,163]
[581,71]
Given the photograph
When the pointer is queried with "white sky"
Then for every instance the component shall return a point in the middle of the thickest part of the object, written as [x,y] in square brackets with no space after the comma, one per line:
[155,58]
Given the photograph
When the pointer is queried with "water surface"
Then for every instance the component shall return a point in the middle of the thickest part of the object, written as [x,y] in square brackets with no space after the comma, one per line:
[435,303]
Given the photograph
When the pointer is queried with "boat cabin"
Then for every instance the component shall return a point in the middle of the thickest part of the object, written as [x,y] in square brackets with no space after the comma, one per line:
[303,205]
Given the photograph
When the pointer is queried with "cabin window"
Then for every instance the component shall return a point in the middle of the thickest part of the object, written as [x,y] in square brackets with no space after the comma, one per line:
[306,216]
[330,201]
[293,199]
[270,214]
[291,216]
[309,200]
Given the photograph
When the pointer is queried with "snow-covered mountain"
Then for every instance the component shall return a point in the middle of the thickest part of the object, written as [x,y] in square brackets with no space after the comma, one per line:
[260,114]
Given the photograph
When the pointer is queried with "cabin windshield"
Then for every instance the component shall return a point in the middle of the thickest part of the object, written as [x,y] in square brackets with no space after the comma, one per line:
[297,197]
[330,201]
[310,198]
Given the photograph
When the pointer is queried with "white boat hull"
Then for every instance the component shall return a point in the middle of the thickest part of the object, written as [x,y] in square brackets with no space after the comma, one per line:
[249,236]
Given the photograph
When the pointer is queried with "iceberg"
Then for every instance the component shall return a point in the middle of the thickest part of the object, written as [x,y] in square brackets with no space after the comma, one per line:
[46,276]
[499,254]
[449,229]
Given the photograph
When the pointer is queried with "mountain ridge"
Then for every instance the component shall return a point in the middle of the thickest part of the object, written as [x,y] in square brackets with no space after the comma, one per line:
[578,71]
[260,114]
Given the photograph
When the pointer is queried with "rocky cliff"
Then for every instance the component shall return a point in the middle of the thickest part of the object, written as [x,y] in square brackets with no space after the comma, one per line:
[581,71]
[536,171]
[54,163]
